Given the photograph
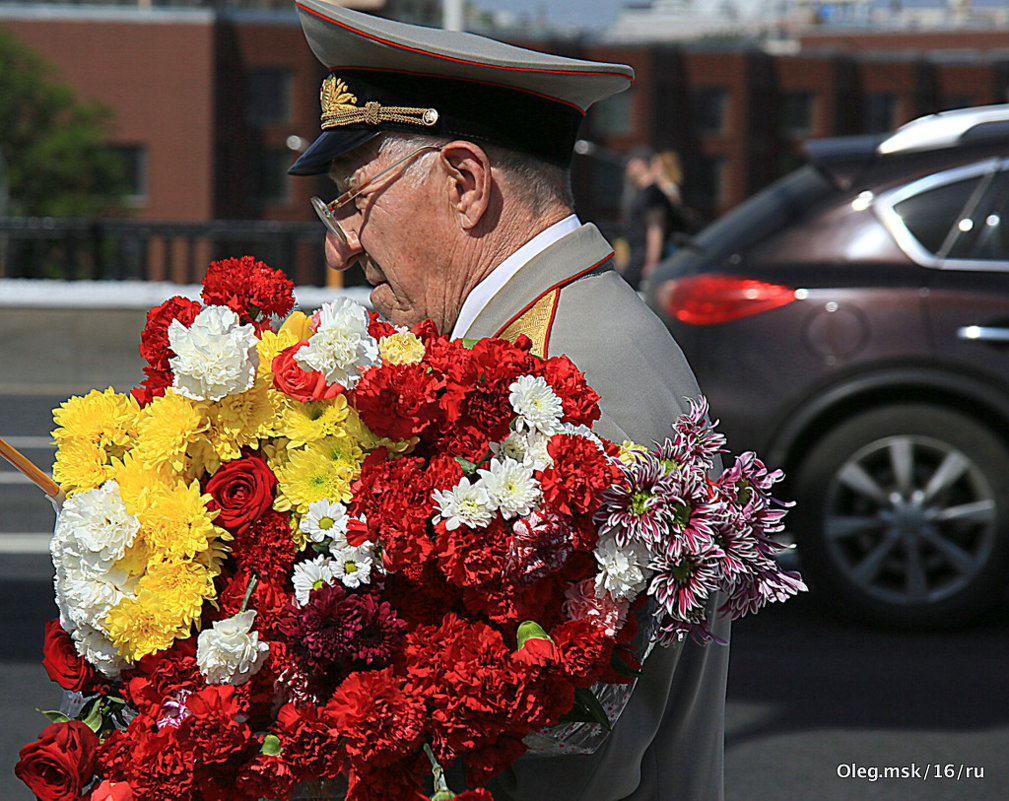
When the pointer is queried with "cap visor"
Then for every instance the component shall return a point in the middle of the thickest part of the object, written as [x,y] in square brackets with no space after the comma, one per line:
[329,145]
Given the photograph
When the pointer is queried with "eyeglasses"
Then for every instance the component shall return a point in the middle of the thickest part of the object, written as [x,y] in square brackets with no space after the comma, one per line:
[326,211]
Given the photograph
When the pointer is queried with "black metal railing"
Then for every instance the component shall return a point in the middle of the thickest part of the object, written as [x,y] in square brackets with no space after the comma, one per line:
[117,249]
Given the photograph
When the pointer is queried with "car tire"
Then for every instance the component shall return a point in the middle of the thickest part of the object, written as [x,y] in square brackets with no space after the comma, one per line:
[902,516]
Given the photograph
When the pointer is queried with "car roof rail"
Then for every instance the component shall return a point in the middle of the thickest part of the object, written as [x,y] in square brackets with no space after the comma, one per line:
[949,129]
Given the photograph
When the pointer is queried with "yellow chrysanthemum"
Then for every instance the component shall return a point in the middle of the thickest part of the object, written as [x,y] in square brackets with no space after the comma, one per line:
[177,524]
[138,483]
[166,427]
[355,428]
[322,470]
[106,418]
[91,431]
[140,626]
[630,450]
[307,422]
[80,465]
[270,344]
[181,588]
[236,422]
[401,349]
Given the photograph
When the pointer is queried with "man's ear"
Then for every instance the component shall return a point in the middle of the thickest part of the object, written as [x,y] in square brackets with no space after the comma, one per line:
[469,181]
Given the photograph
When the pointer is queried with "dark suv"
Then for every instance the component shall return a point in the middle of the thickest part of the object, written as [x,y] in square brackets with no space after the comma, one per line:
[851,324]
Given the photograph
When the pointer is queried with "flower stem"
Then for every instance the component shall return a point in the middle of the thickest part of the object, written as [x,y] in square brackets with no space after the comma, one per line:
[248,592]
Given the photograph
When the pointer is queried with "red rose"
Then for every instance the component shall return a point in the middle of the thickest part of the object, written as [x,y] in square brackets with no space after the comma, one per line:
[112,791]
[62,662]
[298,383]
[58,766]
[242,489]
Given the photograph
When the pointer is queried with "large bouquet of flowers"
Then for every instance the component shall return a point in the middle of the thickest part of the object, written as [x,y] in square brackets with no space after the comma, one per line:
[322,547]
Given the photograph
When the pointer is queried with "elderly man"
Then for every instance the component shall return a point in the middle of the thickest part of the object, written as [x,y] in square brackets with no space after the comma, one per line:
[450,154]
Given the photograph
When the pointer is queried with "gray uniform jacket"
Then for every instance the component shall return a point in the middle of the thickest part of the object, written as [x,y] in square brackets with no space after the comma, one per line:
[667,745]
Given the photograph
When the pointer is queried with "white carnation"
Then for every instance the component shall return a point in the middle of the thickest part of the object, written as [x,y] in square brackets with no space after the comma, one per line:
[324,520]
[511,487]
[341,345]
[94,528]
[215,356]
[623,572]
[536,404]
[311,575]
[230,652]
[464,505]
[98,650]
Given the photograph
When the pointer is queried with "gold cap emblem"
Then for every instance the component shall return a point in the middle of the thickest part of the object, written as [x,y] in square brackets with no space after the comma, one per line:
[340,107]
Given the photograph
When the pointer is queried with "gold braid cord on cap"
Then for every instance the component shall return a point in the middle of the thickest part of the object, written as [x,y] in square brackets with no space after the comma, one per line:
[340,107]
[535,322]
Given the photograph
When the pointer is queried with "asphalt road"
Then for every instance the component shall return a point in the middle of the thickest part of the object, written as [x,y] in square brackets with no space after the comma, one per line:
[818,710]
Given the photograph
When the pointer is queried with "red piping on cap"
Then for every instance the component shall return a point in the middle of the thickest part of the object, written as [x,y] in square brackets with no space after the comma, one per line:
[453,58]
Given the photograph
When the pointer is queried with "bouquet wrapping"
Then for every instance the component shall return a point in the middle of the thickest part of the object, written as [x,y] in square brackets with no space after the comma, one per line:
[327,548]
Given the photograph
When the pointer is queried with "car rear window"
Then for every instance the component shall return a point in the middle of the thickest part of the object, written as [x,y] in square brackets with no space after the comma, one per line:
[768,211]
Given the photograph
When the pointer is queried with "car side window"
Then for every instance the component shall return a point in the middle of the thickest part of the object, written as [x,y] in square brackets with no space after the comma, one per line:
[984,233]
[932,216]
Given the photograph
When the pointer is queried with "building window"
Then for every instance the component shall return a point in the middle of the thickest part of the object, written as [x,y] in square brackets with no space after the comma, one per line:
[796,120]
[612,117]
[880,113]
[270,175]
[709,110]
[133,159]
[269,95]
[707,181]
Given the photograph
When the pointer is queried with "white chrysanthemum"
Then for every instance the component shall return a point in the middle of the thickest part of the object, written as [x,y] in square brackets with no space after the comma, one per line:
[215,356]
[623,572]
[310,575]
[464,505]
[512,489]
[511,447]
[341,345]
[94,529]
[324,520]
[352,565]
[230,652]
[537,456]
[536,404]
[98,650]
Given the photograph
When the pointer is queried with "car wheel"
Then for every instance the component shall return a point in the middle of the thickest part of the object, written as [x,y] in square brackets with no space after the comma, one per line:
[902,516]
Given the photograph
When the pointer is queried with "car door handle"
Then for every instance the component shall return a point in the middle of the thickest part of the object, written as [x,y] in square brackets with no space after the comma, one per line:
[983,333]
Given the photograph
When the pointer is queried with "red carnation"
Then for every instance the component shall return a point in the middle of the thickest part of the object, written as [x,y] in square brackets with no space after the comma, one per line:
[154,346]
[243,490]
[585,651]
[250,288]
[580,401]
[380,722]
[62,662]
[398,401]
[309,741]
[59,765]
[580,472]
[266,547]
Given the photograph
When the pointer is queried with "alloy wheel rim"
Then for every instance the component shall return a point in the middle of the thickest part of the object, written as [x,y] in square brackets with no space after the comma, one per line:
[910,520]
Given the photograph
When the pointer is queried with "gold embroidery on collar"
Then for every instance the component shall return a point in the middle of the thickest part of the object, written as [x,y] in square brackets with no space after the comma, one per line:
[340,107]
[535,323]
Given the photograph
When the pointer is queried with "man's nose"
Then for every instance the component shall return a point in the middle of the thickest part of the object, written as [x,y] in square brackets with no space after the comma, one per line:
[341,255]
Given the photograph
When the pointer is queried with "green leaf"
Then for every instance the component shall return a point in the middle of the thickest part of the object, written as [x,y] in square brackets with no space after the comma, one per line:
[621,668]
[271,745]
[468,467]
[53,715]
[95,717]
[468,343]
[587,709]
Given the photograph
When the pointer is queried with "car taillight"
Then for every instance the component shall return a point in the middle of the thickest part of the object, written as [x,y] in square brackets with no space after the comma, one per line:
[712,299]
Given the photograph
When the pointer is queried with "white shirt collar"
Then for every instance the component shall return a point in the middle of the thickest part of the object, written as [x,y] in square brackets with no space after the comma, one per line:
[482,293]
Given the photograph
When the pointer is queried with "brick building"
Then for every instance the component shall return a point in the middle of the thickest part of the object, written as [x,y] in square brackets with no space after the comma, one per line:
[206,101]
